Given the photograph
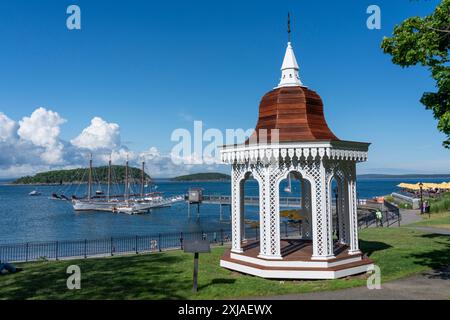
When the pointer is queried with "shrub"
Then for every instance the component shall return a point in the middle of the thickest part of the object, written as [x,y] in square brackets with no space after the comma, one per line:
[441,205]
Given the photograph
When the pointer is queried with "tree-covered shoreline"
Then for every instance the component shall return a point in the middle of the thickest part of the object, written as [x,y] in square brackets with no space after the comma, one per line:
[80,175]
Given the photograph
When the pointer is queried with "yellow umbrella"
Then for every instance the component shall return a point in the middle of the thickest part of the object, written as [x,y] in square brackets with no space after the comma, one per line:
[409,186]
[429,185]
[445,185]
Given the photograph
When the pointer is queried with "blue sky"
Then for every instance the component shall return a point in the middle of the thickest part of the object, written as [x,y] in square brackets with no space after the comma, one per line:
[154,66]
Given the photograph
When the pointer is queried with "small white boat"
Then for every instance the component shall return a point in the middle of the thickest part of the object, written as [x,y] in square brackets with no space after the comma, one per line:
[34,193]
[129,209]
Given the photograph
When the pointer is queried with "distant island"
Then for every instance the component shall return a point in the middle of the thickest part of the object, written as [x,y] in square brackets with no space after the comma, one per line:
[208,176]
[100,175]
[80,175]
[404,176]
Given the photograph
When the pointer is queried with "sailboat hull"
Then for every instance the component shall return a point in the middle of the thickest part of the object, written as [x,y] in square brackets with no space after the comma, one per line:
[95,205]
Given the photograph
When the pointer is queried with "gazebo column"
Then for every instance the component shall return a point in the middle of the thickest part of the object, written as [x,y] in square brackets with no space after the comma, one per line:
[322,231]
[262,219]
[306,208]
[242,208]
[236,211]
[270,213]
[343,209]
[352,212]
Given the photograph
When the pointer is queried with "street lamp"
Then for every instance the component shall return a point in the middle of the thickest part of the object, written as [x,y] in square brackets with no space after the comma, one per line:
[421,197]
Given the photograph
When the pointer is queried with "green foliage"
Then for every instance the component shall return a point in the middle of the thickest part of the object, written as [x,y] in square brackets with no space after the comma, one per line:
[398,203]
[203,177]
[426,41]
[440,205]
[100,174]
[405,205]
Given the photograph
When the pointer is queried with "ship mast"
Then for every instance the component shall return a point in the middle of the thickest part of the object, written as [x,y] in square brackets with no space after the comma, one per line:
[142,178]
[90,178]
[109,179]
[126,180]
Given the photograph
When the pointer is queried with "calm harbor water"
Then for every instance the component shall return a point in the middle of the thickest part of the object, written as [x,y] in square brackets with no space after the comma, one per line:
[24,218]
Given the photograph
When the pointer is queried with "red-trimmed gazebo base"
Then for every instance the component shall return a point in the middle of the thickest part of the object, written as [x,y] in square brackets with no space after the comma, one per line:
[296,262]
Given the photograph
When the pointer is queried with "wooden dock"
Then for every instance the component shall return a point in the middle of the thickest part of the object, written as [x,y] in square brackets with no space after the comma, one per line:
[287,202]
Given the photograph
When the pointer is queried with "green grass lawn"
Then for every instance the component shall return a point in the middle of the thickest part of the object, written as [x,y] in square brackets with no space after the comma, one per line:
[436,220]
[398,251]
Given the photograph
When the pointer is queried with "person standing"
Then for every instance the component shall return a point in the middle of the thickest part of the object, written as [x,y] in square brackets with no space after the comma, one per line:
[379,217]
[424,206]
[427,207]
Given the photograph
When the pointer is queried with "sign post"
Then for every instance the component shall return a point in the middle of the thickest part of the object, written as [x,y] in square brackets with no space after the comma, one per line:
[195,278]
[196,247]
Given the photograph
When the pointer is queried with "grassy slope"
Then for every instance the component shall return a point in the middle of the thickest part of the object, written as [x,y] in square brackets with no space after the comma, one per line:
[437,220]
[398,251]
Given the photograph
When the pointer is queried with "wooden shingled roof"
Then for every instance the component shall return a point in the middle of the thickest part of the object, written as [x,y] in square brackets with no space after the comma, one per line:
[298,114]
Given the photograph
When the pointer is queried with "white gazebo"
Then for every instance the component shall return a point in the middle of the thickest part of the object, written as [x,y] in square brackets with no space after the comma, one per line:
[293,138]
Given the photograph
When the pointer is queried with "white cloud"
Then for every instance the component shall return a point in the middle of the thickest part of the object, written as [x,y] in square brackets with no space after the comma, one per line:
[8,129]
[119,156]
[14,171]
[150,154]
[42,129]
[99,135]
[33,145]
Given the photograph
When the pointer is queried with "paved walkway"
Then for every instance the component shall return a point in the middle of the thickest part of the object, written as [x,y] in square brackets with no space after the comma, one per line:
[432,285]
[410,216]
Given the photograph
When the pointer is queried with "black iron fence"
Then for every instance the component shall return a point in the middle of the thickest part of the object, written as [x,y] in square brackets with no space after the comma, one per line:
[390,215]
[75,249]
[79,249]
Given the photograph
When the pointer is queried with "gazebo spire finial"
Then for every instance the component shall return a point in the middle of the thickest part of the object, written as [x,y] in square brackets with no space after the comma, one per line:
[289,70]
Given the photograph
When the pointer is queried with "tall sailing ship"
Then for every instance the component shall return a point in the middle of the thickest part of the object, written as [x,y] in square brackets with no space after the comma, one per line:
[128,202]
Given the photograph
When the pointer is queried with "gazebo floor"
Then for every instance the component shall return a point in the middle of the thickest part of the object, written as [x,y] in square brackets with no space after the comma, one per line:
[296,262]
